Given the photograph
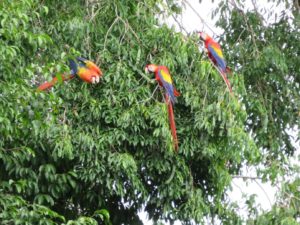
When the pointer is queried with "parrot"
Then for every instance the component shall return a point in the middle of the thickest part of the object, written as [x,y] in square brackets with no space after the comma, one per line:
[216,56]
[85,69]
[163,77]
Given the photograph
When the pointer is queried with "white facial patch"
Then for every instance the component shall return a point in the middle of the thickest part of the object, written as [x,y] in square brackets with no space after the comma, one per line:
[203,36]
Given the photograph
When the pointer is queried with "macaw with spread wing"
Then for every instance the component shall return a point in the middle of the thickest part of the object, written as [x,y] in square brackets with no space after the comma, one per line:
[216,56]
[85,69]
[164,79]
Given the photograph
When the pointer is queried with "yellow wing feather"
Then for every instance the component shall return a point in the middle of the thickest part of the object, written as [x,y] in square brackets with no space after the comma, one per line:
[166,76]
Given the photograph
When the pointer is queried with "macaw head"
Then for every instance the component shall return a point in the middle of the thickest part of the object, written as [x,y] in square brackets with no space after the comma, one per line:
[203,36]
[150,68]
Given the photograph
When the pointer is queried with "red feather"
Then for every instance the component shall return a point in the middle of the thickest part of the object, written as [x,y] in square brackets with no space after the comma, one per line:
[228,70]
[176,93]
[51,83]
[224,76]
[172,122]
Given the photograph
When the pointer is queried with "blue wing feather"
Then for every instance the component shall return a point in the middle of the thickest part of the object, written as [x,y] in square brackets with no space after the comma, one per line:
[220,61]
[73,66]
[83,60]
[168,87]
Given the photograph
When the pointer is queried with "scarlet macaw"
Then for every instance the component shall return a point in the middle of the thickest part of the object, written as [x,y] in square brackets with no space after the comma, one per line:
[85,69]
[163,77]
[216,55]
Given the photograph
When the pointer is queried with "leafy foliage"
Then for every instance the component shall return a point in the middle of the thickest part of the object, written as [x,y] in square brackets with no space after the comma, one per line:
[267,57]
[80,151]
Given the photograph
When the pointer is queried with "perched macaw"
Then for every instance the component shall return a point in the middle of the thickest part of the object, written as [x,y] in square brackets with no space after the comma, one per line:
[163,77]
[216,55]
[85,69]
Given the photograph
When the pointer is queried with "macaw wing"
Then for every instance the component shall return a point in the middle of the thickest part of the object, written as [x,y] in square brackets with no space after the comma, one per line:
[81,59]
[166,81]
[217,54]
[91,65]
[73,66]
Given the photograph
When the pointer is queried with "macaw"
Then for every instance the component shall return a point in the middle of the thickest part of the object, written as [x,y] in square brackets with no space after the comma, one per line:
[216,56]
[163,77]
[85,69]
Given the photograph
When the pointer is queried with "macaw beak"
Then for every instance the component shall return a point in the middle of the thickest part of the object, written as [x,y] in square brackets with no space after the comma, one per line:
[146,70]
[199,34]
[95,79]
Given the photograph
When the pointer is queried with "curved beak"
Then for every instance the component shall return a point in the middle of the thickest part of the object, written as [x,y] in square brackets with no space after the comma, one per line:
[97,79]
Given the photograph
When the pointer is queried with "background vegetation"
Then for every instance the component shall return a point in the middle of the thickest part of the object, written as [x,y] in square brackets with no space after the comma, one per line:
[98,154]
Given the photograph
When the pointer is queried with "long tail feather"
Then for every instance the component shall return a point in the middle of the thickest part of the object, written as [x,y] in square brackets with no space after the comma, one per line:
[228,70]
[176,93]
[172,122]
[51,83]
[224,76]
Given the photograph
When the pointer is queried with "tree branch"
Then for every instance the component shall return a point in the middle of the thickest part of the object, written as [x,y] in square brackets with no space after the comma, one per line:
[246,177]
[198,15]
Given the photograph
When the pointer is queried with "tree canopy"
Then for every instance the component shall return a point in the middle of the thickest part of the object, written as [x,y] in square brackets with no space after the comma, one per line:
[99,154]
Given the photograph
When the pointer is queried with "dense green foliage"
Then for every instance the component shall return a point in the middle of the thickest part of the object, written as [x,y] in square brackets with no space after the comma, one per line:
[75,153]
[267,55]
[264,47]
[286,210]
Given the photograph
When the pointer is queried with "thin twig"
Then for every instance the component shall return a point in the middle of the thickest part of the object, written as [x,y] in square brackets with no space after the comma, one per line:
[151,97]
[249,27]
[195,11]
[109,30]
[13,149]
[246,177]
[132,31]
[264,192]
[140,72]
[180,25]
[172,175]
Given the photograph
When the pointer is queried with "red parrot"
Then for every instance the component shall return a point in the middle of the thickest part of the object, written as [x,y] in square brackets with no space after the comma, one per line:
[85,69]
[216,55]
[163,77]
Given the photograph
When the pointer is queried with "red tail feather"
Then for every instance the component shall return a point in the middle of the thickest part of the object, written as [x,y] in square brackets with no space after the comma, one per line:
[228,70]
[172,122]
[226,81]
[51,83]
[176,93]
